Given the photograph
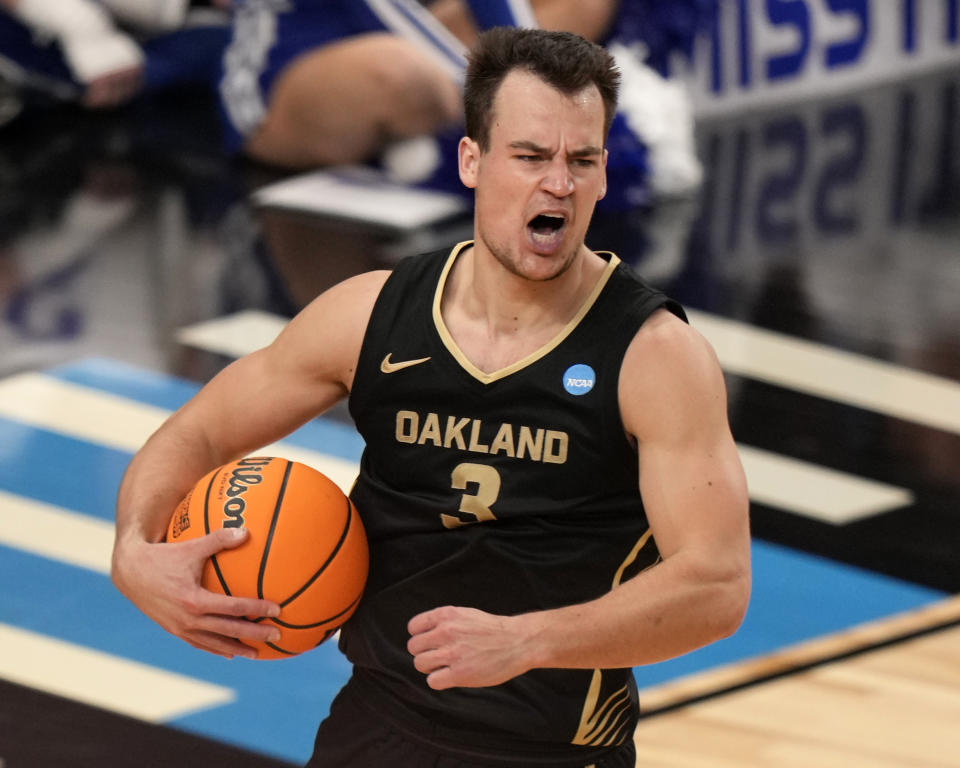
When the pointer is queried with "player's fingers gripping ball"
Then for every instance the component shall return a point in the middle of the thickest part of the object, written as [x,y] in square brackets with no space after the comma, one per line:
[306,548]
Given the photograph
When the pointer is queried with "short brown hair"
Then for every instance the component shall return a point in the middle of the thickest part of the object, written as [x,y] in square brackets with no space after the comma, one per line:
[564,60]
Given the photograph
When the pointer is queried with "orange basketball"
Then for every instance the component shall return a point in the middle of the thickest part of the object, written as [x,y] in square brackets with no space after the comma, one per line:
[306,550]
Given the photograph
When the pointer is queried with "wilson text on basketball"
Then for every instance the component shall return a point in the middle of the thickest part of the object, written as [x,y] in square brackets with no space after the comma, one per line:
[246,473]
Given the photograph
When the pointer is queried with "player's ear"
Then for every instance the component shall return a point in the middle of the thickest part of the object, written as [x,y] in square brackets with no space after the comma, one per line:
[603,186]
[468,154]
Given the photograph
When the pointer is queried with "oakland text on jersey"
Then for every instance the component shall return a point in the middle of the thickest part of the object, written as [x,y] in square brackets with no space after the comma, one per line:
[548,446]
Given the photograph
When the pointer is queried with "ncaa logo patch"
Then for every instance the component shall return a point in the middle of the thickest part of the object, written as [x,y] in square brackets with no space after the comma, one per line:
[579,379]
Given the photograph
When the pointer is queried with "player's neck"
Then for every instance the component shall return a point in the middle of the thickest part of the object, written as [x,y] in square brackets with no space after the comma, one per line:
[497,317]
[491,293]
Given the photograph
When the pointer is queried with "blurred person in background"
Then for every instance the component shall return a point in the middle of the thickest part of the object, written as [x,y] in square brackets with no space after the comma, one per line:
[103,53]
[309,83]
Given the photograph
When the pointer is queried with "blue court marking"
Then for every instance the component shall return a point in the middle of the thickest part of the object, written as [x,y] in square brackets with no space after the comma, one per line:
[279,703]
[128,381]
[60,470]
[796,596]
[170,392]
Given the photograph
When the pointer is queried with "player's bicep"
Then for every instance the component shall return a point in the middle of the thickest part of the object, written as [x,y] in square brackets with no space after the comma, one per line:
[695,499]
[321,345]
[673,402]
[306,370]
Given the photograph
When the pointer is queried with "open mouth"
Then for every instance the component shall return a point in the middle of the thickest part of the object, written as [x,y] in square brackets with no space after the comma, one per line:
[546,224]
[546,229]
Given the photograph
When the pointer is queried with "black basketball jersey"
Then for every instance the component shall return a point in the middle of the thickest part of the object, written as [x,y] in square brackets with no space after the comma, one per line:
[509,492]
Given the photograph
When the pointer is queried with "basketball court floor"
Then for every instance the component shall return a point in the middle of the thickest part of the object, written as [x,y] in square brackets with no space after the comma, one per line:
[822,260]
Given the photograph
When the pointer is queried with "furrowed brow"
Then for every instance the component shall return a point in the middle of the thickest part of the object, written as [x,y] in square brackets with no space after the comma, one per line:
[588,151]
[530,146]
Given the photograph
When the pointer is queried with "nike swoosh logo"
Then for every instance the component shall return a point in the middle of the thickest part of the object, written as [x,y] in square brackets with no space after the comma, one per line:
[387,367]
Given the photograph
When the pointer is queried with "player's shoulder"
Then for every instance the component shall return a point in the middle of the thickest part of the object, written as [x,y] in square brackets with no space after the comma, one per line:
[363,285]
[665,328]
[352,296]
[671,385]
[666,348]
[323,340]
[342,310]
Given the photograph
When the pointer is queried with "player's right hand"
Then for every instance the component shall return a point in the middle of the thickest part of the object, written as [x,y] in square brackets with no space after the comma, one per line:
[164,581]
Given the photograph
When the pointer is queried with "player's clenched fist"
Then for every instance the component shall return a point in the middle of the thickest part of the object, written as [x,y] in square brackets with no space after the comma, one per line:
[464,647]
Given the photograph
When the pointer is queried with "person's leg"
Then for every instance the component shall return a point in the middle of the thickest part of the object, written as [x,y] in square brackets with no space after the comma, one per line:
[591,19]
[588,18]
[343,102]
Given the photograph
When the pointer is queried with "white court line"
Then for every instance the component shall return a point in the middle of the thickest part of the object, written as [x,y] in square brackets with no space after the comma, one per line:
[234,335]
[116,422]
[841,376]
[102,680]
[813,491]
[55,533]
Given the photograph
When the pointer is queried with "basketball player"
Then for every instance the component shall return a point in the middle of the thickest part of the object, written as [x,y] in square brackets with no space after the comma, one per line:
[549,485]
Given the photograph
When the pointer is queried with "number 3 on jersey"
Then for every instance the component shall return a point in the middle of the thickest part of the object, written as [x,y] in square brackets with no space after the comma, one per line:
[474,507]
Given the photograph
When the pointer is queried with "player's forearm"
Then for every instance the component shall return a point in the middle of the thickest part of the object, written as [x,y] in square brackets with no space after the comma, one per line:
[243,408]
[159,476]
[675,607]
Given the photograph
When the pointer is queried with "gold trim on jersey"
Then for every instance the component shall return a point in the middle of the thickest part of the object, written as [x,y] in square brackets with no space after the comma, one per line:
[466,364]
[641,543]
[603,725]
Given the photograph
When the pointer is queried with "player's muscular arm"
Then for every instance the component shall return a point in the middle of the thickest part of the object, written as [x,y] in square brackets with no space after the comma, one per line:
[252,402]
[673,403]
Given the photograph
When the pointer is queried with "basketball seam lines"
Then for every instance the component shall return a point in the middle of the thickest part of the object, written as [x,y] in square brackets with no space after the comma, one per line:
[279,623]
[333,554]
[326,637]
[206,527]
[273,527]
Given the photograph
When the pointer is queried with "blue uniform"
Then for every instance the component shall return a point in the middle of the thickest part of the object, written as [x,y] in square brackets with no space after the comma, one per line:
[663,27]
[269,34]
[266,36]
[184,56]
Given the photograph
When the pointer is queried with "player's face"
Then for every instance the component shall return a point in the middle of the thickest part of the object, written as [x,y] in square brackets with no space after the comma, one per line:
[539,180]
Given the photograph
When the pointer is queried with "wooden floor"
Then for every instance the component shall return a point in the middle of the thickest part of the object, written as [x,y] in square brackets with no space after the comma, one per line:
[895,706]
